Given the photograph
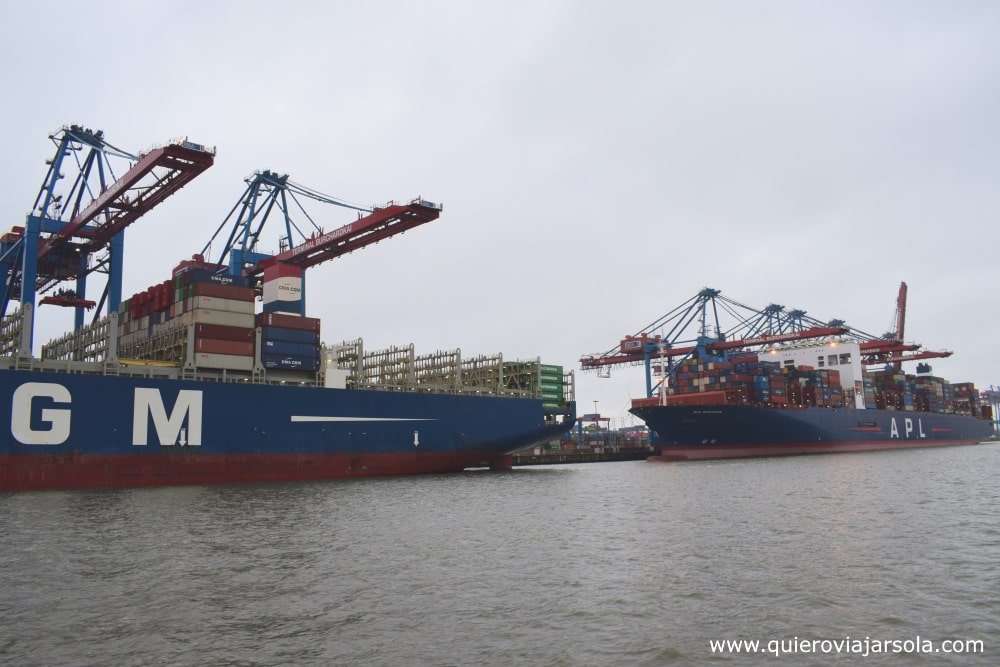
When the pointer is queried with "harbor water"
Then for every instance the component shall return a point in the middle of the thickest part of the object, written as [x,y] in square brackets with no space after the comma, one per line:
[628,563]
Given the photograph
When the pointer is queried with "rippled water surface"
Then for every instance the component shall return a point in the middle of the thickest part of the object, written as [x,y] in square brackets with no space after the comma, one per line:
[603,564]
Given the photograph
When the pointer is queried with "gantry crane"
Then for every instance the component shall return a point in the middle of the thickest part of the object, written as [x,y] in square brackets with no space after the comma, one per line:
[272,195]
[695,328]
[91,192]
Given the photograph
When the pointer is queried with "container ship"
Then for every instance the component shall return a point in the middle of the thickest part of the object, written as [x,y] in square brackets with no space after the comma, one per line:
[216,374]
[810,387]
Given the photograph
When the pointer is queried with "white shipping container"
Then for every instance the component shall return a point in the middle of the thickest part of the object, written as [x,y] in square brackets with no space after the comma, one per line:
[228,305]
[230,362]
[204,316]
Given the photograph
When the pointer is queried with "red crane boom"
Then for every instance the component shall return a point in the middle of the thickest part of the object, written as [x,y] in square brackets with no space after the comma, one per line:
[631,357]
[182,162]
[372,228]
[901,312]
[900,358]
[881,346]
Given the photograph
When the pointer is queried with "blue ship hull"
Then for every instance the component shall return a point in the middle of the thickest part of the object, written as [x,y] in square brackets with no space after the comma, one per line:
[737,431]
[73,431]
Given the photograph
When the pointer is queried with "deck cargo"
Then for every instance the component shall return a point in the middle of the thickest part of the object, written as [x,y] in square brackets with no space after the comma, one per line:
[746,406]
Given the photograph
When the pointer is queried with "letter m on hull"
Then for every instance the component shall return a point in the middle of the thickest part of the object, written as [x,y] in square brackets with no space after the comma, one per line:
[170,429]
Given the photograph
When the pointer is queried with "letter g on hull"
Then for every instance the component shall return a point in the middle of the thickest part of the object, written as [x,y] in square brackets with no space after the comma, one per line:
[22,410]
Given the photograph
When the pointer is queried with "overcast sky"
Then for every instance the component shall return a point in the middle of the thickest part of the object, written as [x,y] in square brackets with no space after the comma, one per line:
[598,162]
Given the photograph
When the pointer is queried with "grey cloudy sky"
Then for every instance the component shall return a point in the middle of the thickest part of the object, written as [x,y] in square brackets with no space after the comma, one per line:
[598,162]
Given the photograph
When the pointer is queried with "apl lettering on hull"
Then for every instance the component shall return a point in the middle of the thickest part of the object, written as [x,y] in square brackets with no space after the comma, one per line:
[907,429]
[41,414]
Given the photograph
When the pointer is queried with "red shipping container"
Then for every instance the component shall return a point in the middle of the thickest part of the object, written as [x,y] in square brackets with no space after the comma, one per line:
[212,346]
[224,291]
[287,321]
[223,332]
[702,398]
[282,270]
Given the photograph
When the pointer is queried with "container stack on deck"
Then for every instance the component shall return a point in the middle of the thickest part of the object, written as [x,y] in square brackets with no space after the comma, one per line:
[289,342]
[966,399]
[926,393]
[222,317]
[550,385]
[219,310]
[154,324]
[289,339]
[744,379]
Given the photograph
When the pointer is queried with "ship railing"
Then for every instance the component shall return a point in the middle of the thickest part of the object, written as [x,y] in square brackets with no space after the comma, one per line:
[11,328]
[89,343]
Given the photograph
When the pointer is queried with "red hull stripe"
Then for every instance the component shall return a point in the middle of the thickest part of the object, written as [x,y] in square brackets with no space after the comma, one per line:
[36,472]
[796,448]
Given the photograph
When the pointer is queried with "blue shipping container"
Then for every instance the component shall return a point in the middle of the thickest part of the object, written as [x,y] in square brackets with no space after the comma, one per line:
[289,307]
[289,335]
[290,349]
[289,362]
[192,276]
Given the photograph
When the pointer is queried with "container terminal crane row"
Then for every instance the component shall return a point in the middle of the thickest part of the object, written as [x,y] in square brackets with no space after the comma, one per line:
[695,328]
[91,192]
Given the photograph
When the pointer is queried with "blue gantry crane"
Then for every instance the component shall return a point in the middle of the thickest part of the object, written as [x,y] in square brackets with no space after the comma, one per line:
[91,192]
[302,243]
[695,328]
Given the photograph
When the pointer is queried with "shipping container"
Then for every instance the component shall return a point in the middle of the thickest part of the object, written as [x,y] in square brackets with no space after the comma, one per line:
[220,332]
[228,305]
[286,321]
[223,361]
[284,348]
[215,346]
[289,363]
[203,316]
[704,398]
[232,292]
[290,335]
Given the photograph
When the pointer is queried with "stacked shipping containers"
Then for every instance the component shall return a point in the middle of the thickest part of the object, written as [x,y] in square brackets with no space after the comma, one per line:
[550,385]
[289,342]
[743,379]
[218,311]
[222,316]
[923,393]
[289,339]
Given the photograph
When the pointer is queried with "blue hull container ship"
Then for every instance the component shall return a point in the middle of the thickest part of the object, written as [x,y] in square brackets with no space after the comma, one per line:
[217,375]
[740,431]
[811,386]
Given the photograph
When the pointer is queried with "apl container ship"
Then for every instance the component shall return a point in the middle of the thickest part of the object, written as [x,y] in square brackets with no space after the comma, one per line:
[745,407]
[216,375]
[808,391]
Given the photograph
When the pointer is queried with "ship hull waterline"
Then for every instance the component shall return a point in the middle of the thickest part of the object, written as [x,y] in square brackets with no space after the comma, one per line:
[86,431]
[689,433]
